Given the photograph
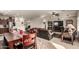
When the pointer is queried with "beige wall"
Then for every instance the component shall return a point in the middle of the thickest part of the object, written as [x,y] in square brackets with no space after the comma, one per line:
[64,15]
[38,22]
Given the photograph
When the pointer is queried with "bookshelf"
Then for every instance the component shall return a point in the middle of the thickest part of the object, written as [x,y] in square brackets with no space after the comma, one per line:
[50,25]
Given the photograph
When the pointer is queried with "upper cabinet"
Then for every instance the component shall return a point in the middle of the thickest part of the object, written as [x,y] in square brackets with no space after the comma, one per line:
[5,25]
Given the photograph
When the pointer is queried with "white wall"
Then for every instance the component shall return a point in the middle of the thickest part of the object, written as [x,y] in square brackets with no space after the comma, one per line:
[38,23]
[67,15]
[64,15]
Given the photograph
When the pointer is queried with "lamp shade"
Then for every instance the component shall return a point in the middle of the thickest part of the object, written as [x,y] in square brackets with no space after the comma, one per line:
[44,20]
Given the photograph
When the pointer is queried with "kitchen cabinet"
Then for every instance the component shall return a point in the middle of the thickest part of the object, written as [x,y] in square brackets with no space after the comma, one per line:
[5,25]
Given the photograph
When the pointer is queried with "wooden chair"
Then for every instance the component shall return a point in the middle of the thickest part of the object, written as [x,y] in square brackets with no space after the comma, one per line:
[29,41]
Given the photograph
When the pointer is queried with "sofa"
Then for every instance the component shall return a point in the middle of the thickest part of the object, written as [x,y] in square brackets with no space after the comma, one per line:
[43,33]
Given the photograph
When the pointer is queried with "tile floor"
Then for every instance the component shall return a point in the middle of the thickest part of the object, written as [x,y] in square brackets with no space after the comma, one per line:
[65,44]
[54,43]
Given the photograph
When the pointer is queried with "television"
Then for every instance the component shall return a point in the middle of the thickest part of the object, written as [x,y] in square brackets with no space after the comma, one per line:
[58,23]
[58,26]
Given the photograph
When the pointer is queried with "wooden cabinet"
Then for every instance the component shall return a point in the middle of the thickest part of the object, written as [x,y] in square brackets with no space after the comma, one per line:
[69,22]
[50,25]
[5,25]
[4,30]
[3,22]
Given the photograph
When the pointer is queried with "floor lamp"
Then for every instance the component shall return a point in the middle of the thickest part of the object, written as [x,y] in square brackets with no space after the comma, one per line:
[44,22]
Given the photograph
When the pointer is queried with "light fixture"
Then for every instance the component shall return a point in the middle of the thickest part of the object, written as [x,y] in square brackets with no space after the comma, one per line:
[54,13]
[42,16]
[44,22]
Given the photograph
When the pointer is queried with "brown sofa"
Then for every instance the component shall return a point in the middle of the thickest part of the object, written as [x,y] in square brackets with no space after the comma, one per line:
[43,33]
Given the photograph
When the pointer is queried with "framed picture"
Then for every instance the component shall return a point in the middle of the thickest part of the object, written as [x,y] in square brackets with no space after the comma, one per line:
[69,22]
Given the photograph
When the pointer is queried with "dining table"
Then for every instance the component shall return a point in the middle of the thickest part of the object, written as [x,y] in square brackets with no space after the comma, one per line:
[12,38]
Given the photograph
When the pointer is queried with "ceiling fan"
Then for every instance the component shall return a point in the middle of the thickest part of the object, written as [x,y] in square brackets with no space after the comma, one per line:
[54,13]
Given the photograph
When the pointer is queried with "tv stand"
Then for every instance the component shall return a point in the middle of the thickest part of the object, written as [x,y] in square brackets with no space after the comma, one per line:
[58,29]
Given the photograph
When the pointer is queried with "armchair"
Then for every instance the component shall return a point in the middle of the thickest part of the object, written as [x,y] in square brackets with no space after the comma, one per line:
[69,36]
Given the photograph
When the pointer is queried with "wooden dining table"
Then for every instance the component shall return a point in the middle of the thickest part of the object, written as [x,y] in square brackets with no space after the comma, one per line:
[14,36]
[11,39]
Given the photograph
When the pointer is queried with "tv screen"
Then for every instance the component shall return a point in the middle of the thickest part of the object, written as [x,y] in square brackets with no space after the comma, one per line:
[58,26]
[58,23]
